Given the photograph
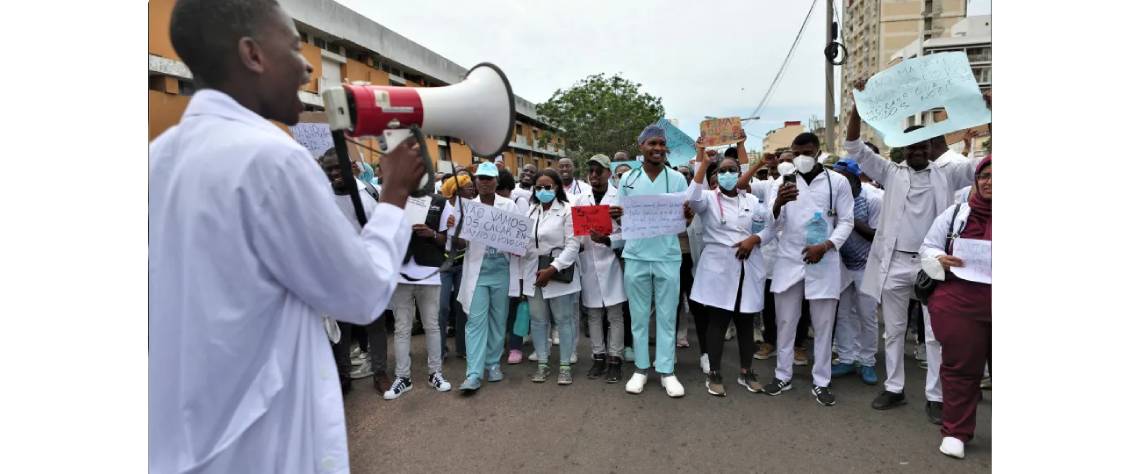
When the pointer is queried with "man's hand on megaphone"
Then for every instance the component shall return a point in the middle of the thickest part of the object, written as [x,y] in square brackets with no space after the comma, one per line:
[402,169]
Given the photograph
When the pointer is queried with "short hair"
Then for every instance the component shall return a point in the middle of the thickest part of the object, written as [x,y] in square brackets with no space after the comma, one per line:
[872,147]
[506,181]
[205,33]
[806,138]
[730,152]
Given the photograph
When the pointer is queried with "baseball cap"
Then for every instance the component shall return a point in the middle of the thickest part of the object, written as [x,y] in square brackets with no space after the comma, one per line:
[487,169]
[847,164]
[600,159]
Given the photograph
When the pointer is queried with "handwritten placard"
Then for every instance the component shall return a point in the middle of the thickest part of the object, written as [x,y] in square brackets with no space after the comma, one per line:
[416,209]
[722,131]
[588,218]
[506,231]
[977,255]
[682,148]
[315,137]
[917,85]
[652,215]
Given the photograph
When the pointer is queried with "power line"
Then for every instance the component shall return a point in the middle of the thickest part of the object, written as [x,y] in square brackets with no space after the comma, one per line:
[784,65]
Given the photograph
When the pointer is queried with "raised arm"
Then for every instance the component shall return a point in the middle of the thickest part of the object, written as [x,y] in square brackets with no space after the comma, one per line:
[875,166]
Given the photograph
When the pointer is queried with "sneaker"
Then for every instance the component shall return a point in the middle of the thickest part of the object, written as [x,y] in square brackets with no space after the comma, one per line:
[823,395]
[749,382]
[842,368]
[636,383]
[358,358]
[554,339]
[533,357]
[953,447]
[934,412]
[714,384]
[514,357]
[440,384]
[574,357]
[987,383]
[494,373]
[888,399]
[731,333]
[355,353]
[920,352]
[673,386]
[627,354]
[922,364]
[564,377]
[764,352]
[400,387]
[613,370]
[682,342]
[868,374]
[599,367]
[364,370]
[470,385]
[801,356]
[705,364]
[776,387]
[757,335]
[541,373]
[381,382]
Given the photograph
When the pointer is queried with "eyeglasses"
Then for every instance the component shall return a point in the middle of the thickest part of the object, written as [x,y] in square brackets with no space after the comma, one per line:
[540,187]
[985,177]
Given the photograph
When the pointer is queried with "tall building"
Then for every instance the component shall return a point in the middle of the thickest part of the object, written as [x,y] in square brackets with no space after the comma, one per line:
[874,30]
[342,44]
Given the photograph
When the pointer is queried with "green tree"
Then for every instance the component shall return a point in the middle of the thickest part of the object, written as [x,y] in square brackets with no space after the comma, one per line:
[600,114]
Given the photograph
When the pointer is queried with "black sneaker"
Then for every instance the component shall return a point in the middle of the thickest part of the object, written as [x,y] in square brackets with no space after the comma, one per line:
[888,399]
[776,387]
[934,412]
[599,367]
[823,395]
[613,370]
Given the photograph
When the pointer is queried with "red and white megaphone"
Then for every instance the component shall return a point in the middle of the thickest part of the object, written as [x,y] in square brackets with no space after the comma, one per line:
[480,111]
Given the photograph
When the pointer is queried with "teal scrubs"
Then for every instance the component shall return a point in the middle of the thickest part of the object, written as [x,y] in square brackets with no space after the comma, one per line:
[487,320]
[653,275]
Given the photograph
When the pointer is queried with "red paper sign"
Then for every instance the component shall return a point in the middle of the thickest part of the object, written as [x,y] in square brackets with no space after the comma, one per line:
[591,217]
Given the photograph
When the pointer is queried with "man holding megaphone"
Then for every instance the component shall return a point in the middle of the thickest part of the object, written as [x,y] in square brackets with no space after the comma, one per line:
[247,250]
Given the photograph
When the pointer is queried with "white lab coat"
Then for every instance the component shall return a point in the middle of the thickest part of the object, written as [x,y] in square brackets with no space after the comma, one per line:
[934,245]
[553,229]
[718,272]
[247,249]
[946,176]
[822,279]
[602,281]
[762,190]
[473,262]
[521,197]
[577,187]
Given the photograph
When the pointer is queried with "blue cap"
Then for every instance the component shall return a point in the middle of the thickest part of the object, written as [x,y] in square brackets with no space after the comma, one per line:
[487,169]
[847,164]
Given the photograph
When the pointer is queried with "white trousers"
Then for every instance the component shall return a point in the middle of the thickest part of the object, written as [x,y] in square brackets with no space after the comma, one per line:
[856,325]
[789,305]
[897,291]
[933,360]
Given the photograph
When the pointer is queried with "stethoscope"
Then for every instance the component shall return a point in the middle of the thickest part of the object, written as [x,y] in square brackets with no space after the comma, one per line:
[830,194]
[629,185]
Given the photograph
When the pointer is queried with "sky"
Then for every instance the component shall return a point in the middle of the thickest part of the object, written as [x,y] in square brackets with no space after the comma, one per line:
[710,58]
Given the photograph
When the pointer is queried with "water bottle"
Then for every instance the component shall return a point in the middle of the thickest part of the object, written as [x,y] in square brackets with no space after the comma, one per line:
[816,231]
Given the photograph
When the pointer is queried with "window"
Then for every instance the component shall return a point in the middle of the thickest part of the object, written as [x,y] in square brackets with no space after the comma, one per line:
[982,74]
[320,43]
[979,54]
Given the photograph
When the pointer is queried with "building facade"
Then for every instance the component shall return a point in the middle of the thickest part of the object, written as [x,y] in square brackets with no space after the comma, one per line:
[874,30]
[343,45]
[782,137]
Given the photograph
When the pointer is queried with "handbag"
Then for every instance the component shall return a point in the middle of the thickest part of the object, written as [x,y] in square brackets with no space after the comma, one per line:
[566,275]
[924,285]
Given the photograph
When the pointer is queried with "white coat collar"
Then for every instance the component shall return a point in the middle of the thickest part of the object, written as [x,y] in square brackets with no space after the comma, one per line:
[219,104]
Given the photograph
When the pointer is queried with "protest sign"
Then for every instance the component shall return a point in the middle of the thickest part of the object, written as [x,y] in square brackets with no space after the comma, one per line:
[506,231]
[682,148]
[588,218]
[652,215]
[722,131]
[416,209]
[315,137]
[918,85]
[977,256]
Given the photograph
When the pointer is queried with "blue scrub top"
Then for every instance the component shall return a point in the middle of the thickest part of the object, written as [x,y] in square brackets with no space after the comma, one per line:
[663,248]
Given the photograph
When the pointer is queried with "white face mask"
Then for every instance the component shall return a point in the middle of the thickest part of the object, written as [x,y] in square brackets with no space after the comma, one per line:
[804,164]
[785,168]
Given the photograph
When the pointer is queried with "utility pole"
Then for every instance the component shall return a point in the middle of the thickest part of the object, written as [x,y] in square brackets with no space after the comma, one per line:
[829,79]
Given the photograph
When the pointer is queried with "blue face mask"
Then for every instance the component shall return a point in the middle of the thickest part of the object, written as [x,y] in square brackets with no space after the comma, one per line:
[727,181]
[544,195]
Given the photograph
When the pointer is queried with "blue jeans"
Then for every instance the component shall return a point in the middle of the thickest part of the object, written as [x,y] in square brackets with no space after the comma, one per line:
[565,311]
[448,290]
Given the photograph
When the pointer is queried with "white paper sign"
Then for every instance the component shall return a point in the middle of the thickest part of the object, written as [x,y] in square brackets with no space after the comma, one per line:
[976,255]
[652,215]
[315,137]
[416,209]
[506,231]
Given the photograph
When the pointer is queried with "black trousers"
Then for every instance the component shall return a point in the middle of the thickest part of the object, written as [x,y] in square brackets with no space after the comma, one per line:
[718,321]
[769,316]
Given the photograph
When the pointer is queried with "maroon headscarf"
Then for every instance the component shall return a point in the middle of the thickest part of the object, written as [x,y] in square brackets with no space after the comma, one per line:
[978,222]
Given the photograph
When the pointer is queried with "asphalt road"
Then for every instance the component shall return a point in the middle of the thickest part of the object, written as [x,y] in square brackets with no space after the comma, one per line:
[592,426]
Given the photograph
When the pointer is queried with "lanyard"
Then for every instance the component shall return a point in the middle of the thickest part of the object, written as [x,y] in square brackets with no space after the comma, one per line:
[723,219]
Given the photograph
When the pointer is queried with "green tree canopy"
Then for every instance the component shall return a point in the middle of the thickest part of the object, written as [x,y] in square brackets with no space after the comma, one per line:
[601,114]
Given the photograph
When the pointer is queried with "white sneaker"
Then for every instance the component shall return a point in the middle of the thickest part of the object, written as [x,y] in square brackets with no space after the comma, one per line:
[554,340]
[920,352]
[399,387]
[673,386]
[953,447]
[705,363]
[728,335]
[757,335]
[636,383]
[362,371]
[574,357]
[441,384]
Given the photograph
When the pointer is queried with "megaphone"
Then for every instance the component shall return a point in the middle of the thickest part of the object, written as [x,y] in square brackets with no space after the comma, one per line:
[480,110]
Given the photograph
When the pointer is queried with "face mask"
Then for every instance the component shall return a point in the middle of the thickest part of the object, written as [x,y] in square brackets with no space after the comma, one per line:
[544,195]
[727,181]
[785,168]
[804,164]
